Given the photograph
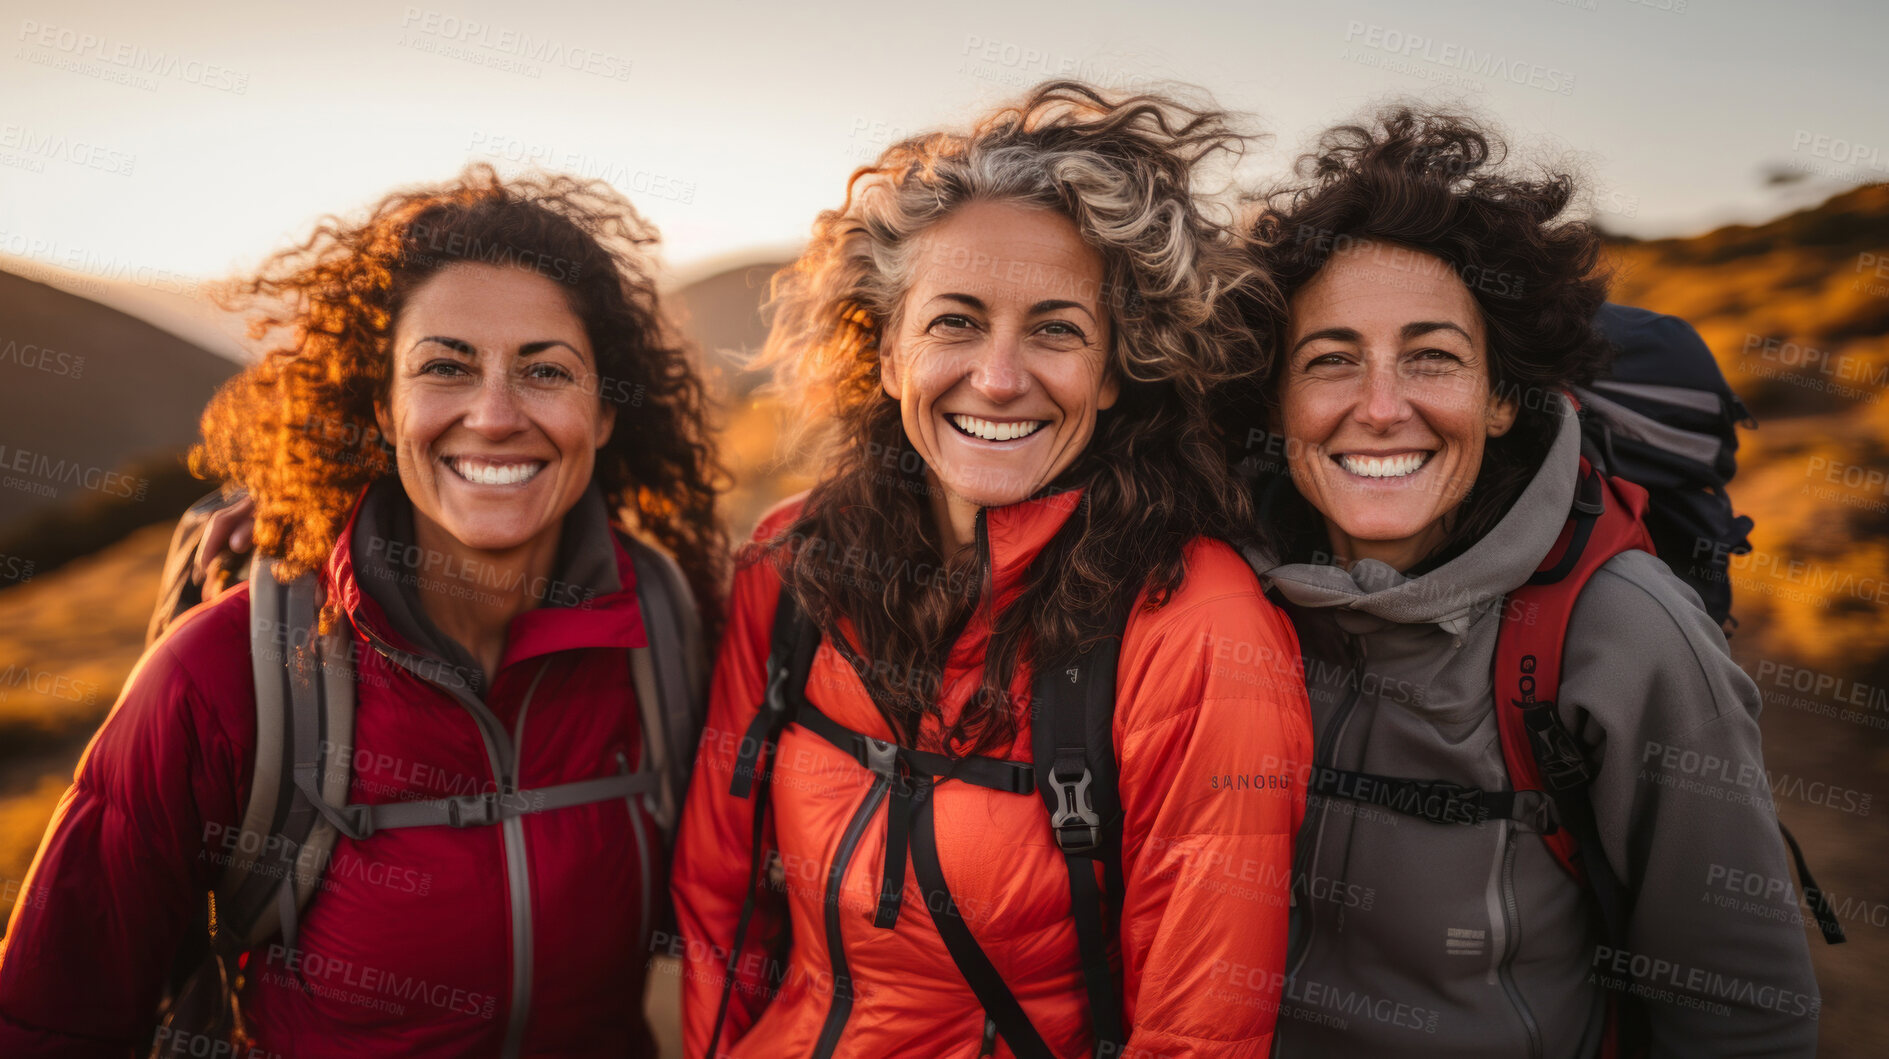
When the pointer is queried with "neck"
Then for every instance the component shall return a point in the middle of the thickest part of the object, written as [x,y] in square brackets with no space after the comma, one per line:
[954,517]
[1399,555]
[472,595]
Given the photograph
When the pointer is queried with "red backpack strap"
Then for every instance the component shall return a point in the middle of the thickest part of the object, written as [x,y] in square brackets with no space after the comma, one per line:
[1541,754]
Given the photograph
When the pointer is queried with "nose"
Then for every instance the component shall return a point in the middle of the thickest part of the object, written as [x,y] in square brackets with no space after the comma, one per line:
[496,412]
[999,374]
[1383,403]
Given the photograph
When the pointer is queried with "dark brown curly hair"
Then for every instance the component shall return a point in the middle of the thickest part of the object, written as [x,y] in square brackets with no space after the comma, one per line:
[297,428]
[864,550]
[1434,182]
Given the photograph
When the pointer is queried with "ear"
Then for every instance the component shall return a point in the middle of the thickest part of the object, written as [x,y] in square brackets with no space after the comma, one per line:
[1111,390]
[889,365]
[606,423]
[1501,414]
[381,418]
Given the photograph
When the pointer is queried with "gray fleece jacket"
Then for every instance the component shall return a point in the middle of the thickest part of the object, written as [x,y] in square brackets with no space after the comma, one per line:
[1419,938]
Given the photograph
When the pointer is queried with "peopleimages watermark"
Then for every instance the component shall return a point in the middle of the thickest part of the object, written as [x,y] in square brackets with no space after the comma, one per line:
[1655,978]
[36,145]
[40,474]
[383,989]
[93,270]
[1440,56]
[35,357]
[504,48]
[1740,781]
[1766,357]
[1008,63]
[1861,487]
[635,180]
[120,60]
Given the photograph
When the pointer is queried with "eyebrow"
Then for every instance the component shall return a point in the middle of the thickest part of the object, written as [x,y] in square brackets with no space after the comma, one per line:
[1424,327]
[1342,334]
[460,345]
[1407,332]
[1048,305]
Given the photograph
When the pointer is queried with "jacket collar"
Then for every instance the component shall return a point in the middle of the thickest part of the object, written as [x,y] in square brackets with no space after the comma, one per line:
[1017,533]
[1372,594]
[375,571]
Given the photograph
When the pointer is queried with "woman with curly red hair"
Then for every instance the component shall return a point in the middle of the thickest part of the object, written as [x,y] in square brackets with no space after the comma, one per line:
[469,389]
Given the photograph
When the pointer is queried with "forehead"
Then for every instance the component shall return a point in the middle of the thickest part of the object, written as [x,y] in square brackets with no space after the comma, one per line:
[1003,253]
[490,303]
[1370,285]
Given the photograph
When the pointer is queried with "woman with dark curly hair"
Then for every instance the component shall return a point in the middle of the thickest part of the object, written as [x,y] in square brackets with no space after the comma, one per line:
[1426,463]
[468,389]
[1012,334]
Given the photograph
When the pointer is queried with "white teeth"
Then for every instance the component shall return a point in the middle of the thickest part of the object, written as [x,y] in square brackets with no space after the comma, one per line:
[480,473]
[1384,466]
[990,431]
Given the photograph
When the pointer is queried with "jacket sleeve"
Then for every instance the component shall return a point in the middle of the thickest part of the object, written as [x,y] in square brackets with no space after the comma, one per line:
[121,871]
[715,840]
[1214,740]
[1715,944]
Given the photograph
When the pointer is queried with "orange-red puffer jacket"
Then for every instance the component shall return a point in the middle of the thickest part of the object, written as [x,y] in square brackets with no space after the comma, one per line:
[1210,716]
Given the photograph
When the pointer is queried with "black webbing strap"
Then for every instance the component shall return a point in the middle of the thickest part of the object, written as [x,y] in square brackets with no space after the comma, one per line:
[904,769]
[1000,1004]
[1437,801]
[1072,730]
[1814,896]
[790,652]
[997,774]
[755,853]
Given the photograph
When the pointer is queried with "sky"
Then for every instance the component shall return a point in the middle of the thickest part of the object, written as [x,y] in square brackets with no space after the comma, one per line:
[164,143]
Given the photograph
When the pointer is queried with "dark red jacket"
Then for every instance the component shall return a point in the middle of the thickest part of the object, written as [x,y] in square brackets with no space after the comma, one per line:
[410,945]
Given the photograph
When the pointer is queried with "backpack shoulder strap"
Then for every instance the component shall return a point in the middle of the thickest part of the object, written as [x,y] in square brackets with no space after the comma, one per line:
[304,741]
[789,659]
[1539,751]
[670,676]
[1073,746]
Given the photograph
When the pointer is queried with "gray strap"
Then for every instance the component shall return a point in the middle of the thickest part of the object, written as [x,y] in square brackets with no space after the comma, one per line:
[478,810]
[670,676]
[1624,421]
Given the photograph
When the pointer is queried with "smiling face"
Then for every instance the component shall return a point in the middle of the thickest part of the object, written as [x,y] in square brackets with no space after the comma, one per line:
[1386,401]
[492,409]
[998,355]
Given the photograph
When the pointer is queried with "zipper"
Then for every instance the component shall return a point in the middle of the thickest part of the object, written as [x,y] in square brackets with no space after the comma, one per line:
[1305,859]
[1511,920]
[642,854]
[503,759]
[842,1005]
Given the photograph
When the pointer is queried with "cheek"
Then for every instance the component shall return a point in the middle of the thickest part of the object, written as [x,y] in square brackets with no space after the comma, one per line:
[1304,415]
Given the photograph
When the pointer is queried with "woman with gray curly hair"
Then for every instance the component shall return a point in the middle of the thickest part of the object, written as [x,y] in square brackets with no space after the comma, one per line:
[1009,581]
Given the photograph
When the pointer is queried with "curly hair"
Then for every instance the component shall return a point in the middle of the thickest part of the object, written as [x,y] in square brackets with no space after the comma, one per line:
[1437,182]
[297,428]
[1125,172]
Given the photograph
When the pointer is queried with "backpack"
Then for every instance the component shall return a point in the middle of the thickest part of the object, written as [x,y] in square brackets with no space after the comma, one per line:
[1665,419]
[1072,770]
[304,748]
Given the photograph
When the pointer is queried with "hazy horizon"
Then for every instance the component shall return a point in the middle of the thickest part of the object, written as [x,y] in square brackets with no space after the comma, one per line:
[168,150]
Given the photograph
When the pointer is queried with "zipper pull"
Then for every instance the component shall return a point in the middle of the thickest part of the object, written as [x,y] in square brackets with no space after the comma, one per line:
[989,1047]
